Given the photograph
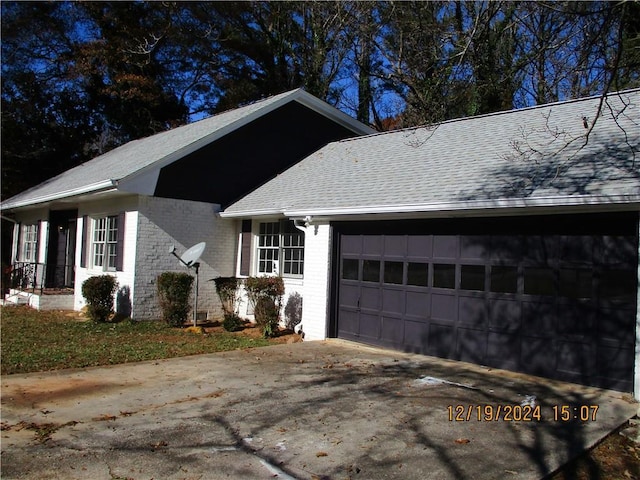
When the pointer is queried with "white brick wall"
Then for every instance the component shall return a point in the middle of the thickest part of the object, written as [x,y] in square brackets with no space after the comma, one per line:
[315,291]
[165,222]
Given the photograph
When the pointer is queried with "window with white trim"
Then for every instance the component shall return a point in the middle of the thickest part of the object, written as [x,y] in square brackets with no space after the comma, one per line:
[104,242]
[280,249]
[29,243]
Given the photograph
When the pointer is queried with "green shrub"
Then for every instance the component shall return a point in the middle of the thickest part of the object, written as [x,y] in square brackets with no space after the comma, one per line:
[227,289]
[267,316]
[99,293]
[231,322]
[265,294]
[174,293]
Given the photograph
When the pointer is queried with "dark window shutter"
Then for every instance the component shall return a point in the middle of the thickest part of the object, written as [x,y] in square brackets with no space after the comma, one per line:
[245,248]
[120,246]
[84,246]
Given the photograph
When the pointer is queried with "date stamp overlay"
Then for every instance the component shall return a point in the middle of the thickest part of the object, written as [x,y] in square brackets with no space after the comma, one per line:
[521,413]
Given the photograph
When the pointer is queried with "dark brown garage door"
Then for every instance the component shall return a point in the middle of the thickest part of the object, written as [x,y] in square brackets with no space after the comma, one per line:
[553,296]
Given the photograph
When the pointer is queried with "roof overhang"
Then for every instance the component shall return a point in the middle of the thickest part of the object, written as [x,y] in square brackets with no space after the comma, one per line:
[105,186]
[493,207]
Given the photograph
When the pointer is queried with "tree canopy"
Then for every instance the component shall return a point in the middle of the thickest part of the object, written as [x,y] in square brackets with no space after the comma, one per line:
[80,78]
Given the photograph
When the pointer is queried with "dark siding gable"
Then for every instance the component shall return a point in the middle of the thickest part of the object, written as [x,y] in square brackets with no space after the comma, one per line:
[242,160]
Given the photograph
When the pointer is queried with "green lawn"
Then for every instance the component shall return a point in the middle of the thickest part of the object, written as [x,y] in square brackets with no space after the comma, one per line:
[34,341]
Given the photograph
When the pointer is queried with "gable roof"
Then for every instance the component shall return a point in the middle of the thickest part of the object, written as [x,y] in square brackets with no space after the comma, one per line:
[126,168]
[549,155]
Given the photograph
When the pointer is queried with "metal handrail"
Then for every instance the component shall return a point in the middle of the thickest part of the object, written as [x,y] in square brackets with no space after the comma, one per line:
[37,276]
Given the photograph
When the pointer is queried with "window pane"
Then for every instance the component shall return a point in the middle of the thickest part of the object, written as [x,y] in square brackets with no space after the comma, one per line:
[350,269]
[575,282]
[112,255]
[444,276]
[538,281]
[98,254]
[504,279]
[393,272]
[618,284]
[370,271]
[266,259]
[472,277]
[417,274]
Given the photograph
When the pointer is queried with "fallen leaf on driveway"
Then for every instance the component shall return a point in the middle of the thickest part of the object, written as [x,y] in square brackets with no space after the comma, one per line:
[322,454]
[104,418]
[462,441]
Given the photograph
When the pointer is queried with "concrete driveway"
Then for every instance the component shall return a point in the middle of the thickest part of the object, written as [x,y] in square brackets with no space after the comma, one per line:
[312,410]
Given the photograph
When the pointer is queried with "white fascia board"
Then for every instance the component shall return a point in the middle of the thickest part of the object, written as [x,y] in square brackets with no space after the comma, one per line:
[252,213]
[333,113]
[618,202]
[625,201]
[103,186]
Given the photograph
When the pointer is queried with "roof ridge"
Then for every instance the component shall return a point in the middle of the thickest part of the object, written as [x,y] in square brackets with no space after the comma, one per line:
[492,114]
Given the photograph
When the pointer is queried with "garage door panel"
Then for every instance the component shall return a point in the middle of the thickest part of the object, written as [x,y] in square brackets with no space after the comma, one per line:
[538,319]
[351,244]
[444,306]
[419,247]
[472,311]
[576,319]
[372,245]
[615,325]
[576,358]
[471,345]
[349,295]
[392,330]
[369,326]
[542,249]
[349,322]
[577,249]
[504,315]
[615,362]
[416,335]
[616,250]
[418,304]
[395,245]
[503,350]
[441,340]
[445,247]
[506,248]
[538,356]
[393,301]
[474,247]
[370,298]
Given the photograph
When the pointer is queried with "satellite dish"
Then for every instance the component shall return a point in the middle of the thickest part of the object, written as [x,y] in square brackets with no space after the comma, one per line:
[190,259]
[193,254]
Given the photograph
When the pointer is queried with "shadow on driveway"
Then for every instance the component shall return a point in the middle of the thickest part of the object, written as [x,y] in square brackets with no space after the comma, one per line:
[313,410]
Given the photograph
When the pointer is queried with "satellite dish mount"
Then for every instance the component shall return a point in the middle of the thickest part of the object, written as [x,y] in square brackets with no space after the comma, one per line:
[190,260]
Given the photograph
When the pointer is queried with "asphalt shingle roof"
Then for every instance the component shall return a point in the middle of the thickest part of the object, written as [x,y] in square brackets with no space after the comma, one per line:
[535,153]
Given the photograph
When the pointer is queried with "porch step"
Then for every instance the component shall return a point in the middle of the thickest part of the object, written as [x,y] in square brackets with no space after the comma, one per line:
[40,302]
[15,299]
